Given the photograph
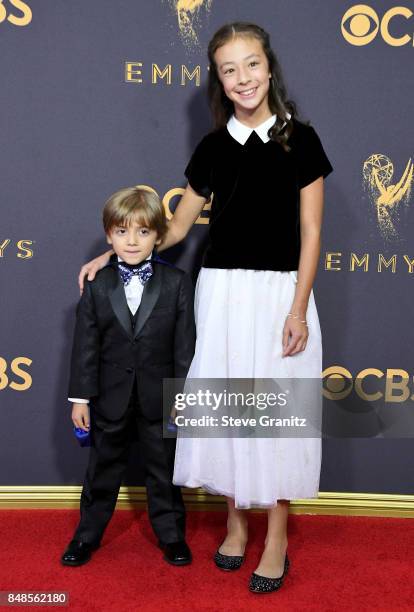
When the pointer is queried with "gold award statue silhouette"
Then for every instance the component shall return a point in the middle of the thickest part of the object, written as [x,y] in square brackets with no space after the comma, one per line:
[378,171]
[188,15]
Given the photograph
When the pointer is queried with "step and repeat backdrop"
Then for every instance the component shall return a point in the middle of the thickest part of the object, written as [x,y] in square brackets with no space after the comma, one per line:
[97,95]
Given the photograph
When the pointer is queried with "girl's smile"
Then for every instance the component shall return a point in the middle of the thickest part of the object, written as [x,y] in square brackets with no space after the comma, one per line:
[249,93]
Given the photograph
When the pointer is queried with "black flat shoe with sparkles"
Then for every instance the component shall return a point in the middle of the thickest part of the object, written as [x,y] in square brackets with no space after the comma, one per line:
[228,563]
[262,584]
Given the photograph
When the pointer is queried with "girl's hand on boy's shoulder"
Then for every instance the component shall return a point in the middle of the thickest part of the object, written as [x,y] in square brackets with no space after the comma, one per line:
[91,268]
[80,416]
[295,336]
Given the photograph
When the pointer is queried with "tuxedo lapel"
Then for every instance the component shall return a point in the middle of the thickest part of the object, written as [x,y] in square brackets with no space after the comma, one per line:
[149,298]
[120,306]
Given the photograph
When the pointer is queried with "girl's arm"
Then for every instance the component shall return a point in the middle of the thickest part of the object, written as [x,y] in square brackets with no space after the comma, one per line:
[295,333]
[184,217]
[186,214]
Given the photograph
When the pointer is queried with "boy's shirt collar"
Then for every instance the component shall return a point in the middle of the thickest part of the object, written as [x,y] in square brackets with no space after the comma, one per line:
[120,260]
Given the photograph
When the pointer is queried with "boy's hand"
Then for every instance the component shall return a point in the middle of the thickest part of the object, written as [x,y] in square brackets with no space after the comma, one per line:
[80,416]
[92,267]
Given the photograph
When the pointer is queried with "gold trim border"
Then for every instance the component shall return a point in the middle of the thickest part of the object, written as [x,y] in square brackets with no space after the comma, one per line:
[327,503]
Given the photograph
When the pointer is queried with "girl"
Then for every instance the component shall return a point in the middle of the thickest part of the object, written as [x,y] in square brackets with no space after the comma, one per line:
[255,310]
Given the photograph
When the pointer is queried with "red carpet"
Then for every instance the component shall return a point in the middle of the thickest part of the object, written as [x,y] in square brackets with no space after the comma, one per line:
[337,563]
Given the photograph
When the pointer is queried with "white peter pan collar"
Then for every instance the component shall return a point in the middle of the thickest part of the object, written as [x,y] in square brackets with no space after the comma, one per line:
[241,132]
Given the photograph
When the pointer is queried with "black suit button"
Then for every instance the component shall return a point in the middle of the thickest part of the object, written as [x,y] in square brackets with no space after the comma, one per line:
[129,370]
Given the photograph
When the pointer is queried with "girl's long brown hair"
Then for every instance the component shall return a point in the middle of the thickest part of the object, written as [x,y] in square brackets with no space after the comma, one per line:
[222,108]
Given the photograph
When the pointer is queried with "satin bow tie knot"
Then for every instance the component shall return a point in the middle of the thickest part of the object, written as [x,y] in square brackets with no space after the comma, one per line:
[144,272]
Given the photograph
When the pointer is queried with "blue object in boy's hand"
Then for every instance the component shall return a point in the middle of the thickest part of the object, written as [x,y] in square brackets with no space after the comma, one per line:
[83,437]
[171,426]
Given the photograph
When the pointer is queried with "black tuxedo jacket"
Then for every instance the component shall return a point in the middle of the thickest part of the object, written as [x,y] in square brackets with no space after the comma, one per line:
[108,355]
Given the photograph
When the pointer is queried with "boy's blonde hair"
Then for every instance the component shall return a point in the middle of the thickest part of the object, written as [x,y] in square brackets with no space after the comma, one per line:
[135,204]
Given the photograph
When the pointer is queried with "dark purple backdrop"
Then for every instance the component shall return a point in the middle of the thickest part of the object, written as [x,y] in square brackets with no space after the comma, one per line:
[73,131]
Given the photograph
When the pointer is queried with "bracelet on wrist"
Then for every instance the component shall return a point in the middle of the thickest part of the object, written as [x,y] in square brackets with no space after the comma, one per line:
[296,316]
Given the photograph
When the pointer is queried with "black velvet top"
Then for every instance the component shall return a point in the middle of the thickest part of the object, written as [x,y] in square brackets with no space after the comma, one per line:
[254,220]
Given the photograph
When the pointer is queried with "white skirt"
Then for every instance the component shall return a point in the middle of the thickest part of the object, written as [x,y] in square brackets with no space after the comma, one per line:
[240,316]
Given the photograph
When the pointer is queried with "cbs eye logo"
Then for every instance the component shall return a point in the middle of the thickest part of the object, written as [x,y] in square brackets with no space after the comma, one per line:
[361,24]
[338,383]
[174,193]
[24,16]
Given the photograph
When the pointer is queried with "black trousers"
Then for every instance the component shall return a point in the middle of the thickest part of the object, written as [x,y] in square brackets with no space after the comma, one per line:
[109,453]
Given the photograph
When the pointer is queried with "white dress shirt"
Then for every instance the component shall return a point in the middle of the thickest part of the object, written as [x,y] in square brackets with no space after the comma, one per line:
[133,291]
[133,294]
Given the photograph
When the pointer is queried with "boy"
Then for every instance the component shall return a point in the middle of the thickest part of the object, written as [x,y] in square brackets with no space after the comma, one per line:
[135,326]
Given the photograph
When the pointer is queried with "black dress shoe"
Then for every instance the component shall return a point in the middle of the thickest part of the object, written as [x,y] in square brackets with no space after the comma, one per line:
[176,553]
[262,584]
[229,563]
[78,553]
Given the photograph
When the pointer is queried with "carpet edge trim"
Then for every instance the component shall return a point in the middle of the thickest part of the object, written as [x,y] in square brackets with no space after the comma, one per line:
[327,503]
